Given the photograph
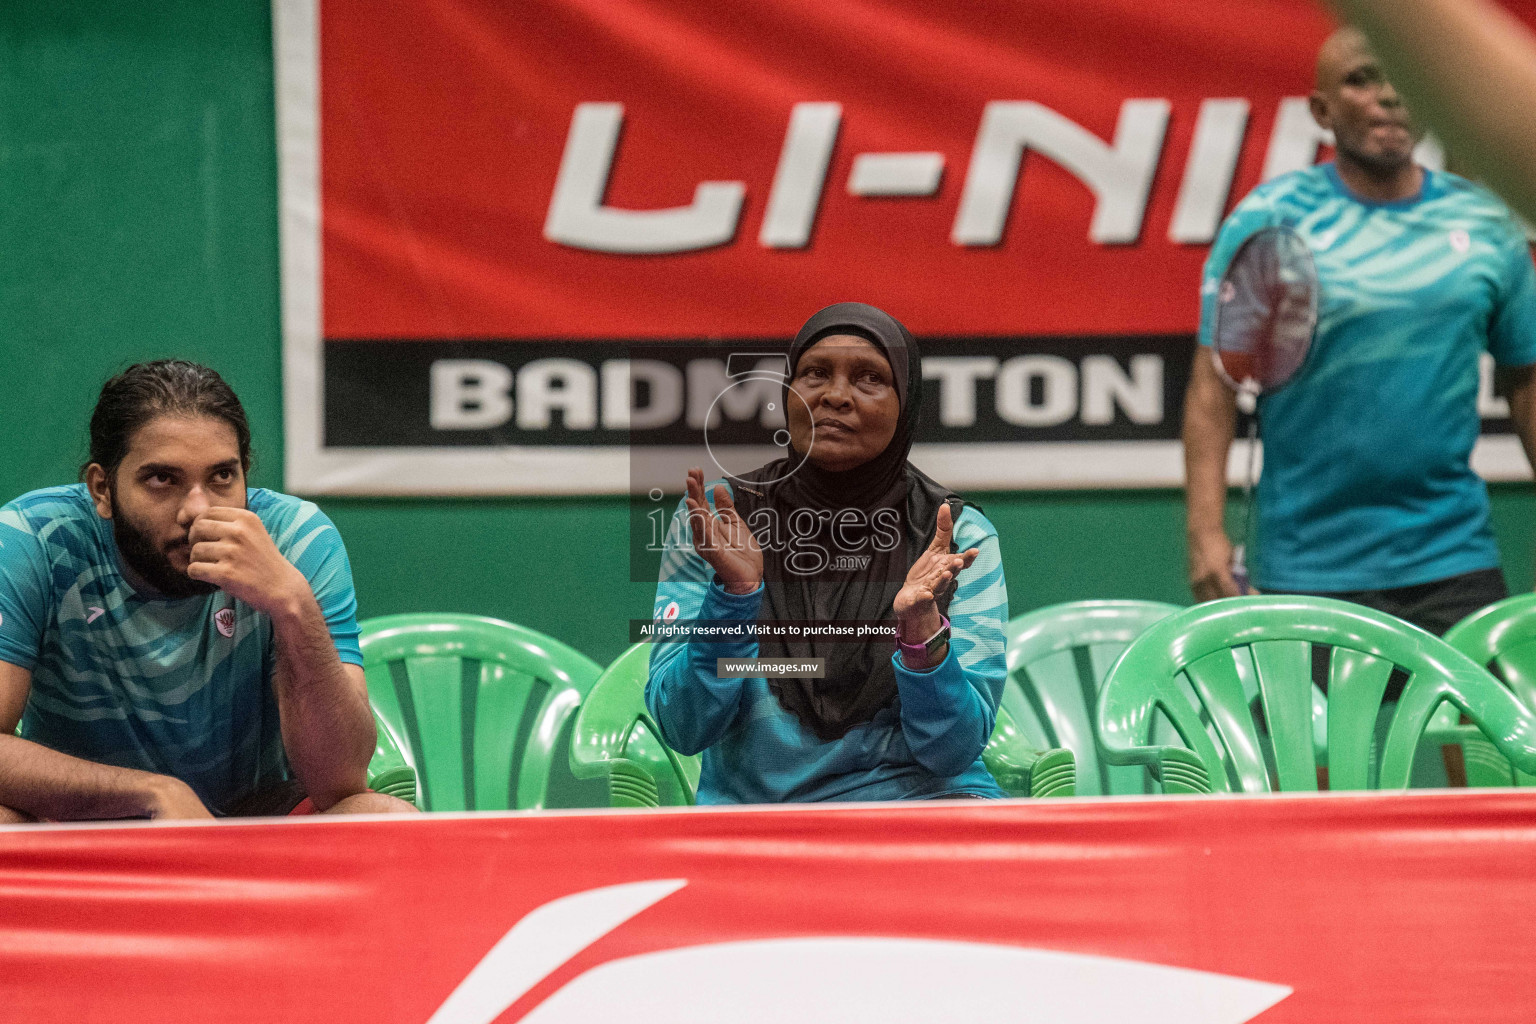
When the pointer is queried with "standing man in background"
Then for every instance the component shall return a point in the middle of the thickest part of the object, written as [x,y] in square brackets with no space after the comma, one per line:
[174,644]
[1367,492]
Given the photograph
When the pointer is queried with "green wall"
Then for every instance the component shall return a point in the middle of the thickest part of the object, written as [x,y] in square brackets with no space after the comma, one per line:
[139,219]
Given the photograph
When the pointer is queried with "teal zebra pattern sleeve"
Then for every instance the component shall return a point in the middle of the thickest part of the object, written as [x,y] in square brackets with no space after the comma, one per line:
[979,611]
[25,591]
[948,712]
[1512,334]
[307,538]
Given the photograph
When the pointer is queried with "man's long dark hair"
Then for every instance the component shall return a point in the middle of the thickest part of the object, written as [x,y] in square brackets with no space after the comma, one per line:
[165,386]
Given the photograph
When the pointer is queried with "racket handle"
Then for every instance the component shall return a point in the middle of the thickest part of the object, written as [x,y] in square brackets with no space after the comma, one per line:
[1240,570]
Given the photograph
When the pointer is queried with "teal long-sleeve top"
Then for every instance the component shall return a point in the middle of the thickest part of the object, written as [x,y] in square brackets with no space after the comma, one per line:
[926,745]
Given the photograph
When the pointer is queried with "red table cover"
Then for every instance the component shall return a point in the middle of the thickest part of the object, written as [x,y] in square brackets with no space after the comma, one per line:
[1339,907]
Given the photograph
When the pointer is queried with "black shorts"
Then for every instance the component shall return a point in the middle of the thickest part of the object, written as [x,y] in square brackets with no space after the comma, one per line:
[276,801]
[1435,606]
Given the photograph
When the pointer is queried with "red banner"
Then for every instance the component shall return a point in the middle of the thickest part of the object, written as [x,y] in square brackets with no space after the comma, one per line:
[474,188]
[441,166]
[1339,907]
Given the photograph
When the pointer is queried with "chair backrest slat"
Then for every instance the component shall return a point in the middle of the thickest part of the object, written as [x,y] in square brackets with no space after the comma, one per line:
[500,768]
[1356,683]
[1284,671]
[436,692]
[1225,706]
[1050,690]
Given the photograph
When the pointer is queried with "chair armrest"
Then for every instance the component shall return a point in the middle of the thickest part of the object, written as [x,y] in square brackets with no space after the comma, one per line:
[631,782]
[644,718]
[1179,769]
[1503,722]
[1482,763]
[396,781]
[1033,773]
[1445,726]
[1054,773]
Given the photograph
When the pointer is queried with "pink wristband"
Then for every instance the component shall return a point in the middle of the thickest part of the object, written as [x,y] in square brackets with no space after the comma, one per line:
[927,647]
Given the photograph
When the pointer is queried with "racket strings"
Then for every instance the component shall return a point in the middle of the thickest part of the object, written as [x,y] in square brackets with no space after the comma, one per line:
[1266,314]
[1266,311]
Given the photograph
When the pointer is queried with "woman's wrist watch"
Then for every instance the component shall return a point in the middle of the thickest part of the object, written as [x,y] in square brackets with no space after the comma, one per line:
[924,651]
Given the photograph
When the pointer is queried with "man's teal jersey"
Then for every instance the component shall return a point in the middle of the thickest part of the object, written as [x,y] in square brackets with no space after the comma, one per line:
[179,687]
[1367,483]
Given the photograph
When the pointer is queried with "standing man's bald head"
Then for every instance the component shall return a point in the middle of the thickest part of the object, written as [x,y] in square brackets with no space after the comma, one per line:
[1337,50]
[1373,134]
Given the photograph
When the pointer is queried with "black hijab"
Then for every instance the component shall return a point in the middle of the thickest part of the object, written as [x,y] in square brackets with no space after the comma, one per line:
[859,678]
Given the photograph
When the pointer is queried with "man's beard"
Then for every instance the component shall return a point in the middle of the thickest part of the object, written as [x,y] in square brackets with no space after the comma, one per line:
[145,558]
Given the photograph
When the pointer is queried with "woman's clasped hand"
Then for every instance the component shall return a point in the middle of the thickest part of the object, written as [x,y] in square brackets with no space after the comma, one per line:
[722,538]
[934,572]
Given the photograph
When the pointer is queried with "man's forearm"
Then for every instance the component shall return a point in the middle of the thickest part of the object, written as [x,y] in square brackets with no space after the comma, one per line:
[1522,396]
[1205,487]
[328,729]
[1522,410]
[1210,414]
[1209,424]
[47,784]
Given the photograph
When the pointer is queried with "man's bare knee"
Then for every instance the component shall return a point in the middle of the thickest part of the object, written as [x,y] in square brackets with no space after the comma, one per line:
[371,803]
[10,817]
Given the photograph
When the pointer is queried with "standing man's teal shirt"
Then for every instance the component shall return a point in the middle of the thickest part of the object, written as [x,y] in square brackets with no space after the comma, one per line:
[1367,483]
[179,687]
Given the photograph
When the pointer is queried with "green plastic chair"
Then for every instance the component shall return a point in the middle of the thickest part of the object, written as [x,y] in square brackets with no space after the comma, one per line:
[616,740]
[1058,657]
[1501,636]
[1185,667]
[471,710]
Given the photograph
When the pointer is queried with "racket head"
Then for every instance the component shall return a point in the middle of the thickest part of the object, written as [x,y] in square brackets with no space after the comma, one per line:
[1266,311]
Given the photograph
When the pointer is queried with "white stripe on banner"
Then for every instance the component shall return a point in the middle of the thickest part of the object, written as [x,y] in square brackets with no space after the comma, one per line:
[296,41]
[1060,465]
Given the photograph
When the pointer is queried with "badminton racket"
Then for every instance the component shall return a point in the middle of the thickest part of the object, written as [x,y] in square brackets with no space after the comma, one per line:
[1266,317]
